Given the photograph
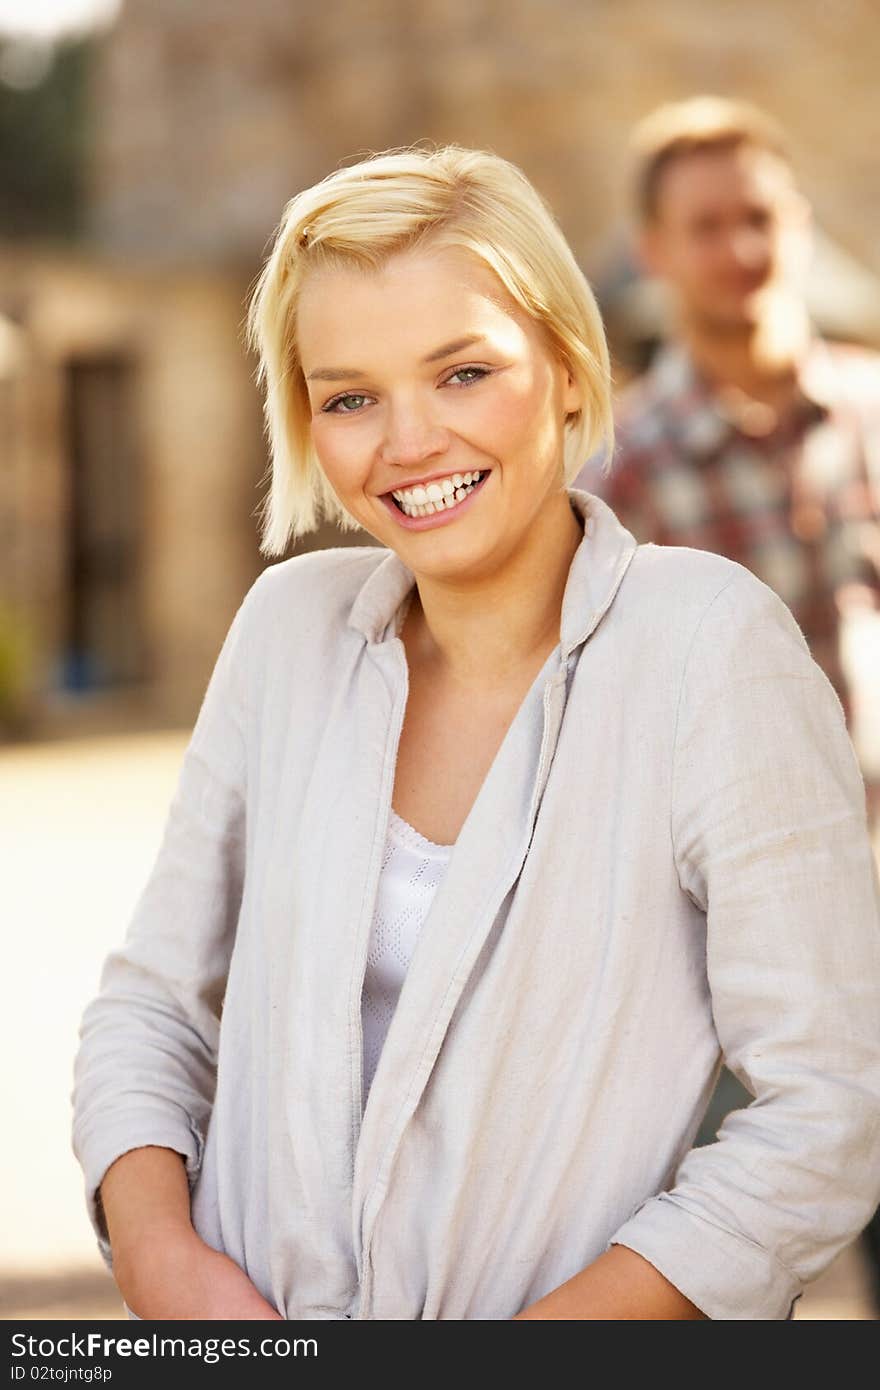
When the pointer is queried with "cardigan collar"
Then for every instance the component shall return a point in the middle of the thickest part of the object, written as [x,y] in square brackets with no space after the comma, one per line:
[596,571]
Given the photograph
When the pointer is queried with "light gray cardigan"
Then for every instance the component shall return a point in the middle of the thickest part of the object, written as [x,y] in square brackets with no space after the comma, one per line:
[668,857]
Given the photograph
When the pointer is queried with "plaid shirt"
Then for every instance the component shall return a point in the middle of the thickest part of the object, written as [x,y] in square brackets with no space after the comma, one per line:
[799,506]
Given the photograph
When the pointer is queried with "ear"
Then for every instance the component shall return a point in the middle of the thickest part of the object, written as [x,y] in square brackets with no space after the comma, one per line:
[572,397]
[648,246]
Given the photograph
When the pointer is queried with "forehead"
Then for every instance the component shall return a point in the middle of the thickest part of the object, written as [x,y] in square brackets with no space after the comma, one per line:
[711,179]
[416,299]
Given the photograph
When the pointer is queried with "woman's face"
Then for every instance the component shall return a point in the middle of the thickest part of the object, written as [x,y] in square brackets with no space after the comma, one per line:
[438,408]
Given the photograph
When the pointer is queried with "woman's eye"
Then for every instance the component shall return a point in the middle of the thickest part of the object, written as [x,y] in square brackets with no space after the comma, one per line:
[469,375]
[344,405]
[350,402]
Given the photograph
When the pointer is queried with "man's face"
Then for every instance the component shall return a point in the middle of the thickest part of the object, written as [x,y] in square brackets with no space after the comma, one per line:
[729,230]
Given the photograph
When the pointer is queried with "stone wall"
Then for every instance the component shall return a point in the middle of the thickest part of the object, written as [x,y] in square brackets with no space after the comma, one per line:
[211,114]
[189,441]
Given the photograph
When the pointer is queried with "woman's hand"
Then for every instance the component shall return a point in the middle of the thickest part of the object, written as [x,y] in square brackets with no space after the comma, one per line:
[180,1277]
[162,1267]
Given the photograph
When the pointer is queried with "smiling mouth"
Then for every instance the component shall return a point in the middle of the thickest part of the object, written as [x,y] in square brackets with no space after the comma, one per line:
[442,495]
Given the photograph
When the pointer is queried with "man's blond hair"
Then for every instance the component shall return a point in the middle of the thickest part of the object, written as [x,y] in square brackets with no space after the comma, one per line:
[695,126]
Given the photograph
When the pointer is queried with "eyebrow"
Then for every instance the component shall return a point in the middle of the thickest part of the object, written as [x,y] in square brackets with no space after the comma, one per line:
[350,373]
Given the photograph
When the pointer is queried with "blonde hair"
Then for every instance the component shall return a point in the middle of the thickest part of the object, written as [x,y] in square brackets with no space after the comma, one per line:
[695,126]
[391,202]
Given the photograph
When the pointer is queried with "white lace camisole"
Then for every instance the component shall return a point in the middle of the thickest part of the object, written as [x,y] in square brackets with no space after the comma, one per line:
[412,869]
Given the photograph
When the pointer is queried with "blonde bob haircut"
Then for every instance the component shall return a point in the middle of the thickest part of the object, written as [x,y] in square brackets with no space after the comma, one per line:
[396,201]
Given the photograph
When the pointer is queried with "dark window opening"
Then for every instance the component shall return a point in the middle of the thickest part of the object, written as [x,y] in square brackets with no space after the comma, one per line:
[104,642]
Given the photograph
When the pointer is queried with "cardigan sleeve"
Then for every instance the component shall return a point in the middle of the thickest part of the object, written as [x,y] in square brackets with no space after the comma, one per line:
[770,842]
[144,1071]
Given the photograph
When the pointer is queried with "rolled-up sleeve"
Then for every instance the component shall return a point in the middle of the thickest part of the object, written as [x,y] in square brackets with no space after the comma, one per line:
[145,1068]
[770,841]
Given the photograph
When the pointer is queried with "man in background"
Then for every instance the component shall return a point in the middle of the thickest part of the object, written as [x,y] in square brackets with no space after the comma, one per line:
[748,435]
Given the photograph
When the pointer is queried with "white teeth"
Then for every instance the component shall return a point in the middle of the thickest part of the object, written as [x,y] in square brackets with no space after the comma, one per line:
[438,496]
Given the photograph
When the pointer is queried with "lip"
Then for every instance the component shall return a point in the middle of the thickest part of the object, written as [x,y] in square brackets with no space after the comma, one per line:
[427,523]
[430,478]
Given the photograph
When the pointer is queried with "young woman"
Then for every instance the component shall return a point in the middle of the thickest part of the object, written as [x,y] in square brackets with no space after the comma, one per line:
[490,840]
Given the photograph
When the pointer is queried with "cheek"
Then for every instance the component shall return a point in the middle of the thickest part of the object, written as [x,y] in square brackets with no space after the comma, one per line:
[342,450]
[513,415]
[707,263]
[528,426]
[686,262]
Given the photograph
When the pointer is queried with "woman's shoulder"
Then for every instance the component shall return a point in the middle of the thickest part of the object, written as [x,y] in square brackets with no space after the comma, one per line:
[320,582]
[687,587]
[683,573]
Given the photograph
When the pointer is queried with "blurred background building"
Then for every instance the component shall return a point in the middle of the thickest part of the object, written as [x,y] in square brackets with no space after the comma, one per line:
[146,161]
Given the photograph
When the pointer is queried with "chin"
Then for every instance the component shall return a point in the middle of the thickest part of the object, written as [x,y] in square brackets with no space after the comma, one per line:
[450,559]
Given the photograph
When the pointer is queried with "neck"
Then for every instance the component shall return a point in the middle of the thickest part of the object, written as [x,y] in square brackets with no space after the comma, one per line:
[759,357]
[478,631]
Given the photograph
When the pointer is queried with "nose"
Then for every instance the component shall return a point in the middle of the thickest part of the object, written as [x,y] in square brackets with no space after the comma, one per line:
[411,435]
